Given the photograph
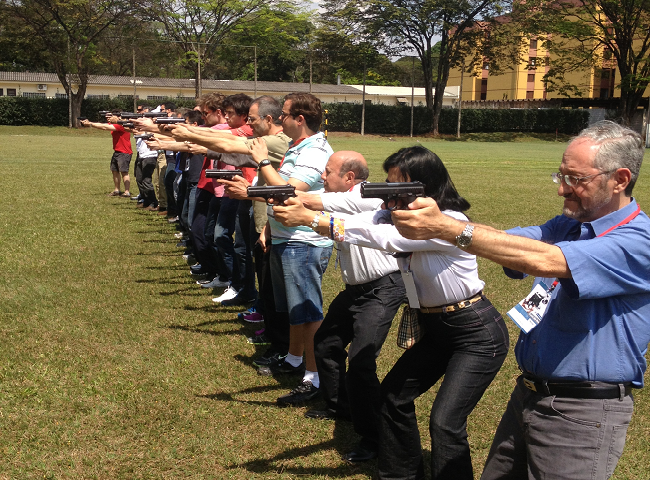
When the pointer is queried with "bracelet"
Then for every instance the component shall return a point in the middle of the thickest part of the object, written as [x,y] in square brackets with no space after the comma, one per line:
[316,221]
[264,163]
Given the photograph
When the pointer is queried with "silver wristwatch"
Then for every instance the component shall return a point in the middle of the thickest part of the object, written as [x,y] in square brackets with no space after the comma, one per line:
[464,240]
[315,222]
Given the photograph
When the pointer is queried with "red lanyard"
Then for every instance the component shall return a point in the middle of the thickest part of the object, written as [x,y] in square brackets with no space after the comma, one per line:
[631,217]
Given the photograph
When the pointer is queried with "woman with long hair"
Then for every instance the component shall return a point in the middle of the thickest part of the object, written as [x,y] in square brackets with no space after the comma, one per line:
[465,339]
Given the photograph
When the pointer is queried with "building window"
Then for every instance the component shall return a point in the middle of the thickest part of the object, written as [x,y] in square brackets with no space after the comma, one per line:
[531,77]
[532,63]
[607,54]
[33,95]
[486,65]
[605,74]
[484,96]
[157,97]
[604,93]
[530,94]
[533,44]
[1,92]
[60,95]
[100,97]
[11,92]
[129,96]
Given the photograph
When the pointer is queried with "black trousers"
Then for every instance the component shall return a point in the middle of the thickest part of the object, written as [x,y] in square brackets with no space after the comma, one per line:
[360,316]
[276,324]
[146,186]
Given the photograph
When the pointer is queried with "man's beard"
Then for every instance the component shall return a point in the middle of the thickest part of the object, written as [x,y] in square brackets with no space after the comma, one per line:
[599,200]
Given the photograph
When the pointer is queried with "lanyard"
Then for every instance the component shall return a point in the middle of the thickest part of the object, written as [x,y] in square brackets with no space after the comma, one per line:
[631,217]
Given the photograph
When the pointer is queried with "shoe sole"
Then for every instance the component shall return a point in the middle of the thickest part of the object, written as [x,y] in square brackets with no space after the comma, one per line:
[284,403]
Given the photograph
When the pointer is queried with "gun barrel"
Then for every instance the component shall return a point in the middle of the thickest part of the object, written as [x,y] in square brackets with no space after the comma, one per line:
[222,174]
[380,189]
[168,120]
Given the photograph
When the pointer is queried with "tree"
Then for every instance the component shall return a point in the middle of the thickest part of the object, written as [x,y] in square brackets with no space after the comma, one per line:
[400,25]
[593,34]
[198,26]
[69,32]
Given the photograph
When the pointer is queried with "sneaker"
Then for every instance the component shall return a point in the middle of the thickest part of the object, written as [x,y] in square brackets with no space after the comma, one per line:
[229,294]
[269,358]
[240,315]
[135,197]
[215,283]
[197,269]
[172,219]
[179,235]
[260,331]
[189,258]
[258,340]
[238,300]
[182,243]
[253,318]
[299,395]
[281,368]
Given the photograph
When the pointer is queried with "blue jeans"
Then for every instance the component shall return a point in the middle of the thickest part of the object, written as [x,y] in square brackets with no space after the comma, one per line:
[187,213]
[224,249]
[297,270]
[564,438]
[468,347]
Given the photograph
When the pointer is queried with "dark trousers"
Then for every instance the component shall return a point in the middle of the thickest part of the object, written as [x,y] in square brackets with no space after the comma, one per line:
[146,187]
[170,178]
[468,347]
[202,245]
[360,316]
[224,245]
[244,241]
[276,324]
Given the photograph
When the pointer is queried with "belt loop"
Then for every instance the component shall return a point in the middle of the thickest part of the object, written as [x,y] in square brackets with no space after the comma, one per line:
[621,392]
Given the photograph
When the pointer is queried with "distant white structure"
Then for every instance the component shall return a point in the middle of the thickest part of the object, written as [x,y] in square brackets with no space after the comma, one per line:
[402,95]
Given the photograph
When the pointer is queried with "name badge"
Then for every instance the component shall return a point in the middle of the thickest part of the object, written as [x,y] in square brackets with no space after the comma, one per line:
[411,291]
[529,312]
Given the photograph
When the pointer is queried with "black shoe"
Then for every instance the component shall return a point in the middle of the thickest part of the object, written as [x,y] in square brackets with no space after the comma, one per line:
[299,395]
[359,454]
[327,414]
[283,367]
[238,300]
[269,358]
[182,243]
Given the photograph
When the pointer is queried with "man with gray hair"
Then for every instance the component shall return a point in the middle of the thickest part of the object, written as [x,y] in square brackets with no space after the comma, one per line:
[581,350]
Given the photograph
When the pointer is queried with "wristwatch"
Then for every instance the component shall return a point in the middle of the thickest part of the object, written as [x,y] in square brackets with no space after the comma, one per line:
[315,222]
[263,163]
[464,240]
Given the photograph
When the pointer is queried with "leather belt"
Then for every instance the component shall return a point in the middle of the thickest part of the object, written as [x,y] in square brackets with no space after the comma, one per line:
[589,390]
[453,307]
[392,277]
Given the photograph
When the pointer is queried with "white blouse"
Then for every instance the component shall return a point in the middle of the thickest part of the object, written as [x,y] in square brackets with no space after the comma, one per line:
[443,273]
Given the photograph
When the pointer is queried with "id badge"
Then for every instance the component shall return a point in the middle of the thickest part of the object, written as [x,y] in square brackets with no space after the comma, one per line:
[411,292]
[529,312]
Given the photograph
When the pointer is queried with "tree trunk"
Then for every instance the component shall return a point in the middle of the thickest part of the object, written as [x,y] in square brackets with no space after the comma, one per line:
[441,83]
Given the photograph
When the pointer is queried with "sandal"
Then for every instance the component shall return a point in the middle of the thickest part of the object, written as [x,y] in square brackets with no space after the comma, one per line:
[114,193]
[126,195]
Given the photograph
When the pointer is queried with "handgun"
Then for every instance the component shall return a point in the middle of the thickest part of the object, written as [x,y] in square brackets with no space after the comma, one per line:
[126,123]
[81,119]
[168,120]
[222,174]
[154,114]
[144,136]
[279,193]
[401,193]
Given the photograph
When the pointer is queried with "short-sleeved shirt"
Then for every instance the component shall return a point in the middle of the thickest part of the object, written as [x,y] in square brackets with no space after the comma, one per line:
[597,323]
[304,161]
[121,139]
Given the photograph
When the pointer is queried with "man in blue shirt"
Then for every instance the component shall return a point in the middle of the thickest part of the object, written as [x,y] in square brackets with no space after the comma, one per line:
[568,415]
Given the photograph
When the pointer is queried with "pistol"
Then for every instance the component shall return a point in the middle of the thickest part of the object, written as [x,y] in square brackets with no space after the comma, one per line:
[82,118]
[144,136]
[222,174]
[168,120]
[279,193]
[402,193]
[126,123]
[154,114]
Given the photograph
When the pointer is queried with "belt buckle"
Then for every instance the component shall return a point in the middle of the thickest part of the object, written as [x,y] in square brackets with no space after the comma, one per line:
[530,385]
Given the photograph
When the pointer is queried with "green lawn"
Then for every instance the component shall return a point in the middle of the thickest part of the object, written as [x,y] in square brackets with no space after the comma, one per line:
[114,365]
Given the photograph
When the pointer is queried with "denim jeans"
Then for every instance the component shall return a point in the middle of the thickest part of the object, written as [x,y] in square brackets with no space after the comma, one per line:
[468,347]
[297,270]
[245,281]
[224,249]
[360,316]
[187,214]
[557,437]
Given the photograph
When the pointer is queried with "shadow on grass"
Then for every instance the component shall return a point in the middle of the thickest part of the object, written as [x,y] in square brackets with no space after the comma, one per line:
[192,329]
[504,137]
[342,442]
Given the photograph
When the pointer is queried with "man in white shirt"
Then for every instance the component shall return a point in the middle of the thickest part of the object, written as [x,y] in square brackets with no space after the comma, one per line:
[359,317]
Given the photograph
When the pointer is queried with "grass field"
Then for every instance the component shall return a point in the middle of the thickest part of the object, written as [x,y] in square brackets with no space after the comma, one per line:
[114,365]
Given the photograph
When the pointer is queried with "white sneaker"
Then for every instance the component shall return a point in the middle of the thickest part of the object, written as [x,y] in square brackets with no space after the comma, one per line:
[229,294]
[179,235]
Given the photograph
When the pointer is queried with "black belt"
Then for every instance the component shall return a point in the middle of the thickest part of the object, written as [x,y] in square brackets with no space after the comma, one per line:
[589,390]
[370,286]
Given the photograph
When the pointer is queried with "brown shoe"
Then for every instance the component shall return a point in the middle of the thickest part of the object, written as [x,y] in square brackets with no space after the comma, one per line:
[151,208]
[140,205]
[162,212]
[114,193]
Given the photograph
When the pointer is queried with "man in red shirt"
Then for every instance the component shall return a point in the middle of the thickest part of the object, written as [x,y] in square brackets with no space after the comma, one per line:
[121,157]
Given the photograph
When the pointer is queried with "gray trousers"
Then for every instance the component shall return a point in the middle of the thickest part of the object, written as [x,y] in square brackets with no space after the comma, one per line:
[558,438]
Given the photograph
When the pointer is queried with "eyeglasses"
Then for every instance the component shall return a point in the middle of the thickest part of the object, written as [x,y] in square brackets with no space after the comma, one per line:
[250,119]
[284,115]
[572,180]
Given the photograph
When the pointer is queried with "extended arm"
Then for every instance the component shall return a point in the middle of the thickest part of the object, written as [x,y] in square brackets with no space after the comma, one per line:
[424,220]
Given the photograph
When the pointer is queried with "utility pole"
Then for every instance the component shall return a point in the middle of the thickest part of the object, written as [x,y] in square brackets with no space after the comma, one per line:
[412,91]
[135,96]
[310,71]
[363,100]
[460,98]
[255,59]
[199,91]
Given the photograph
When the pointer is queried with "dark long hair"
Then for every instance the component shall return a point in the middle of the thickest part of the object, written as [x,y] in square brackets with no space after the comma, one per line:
[422,165]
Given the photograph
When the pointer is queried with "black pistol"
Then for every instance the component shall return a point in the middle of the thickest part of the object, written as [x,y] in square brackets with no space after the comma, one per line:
[401,193]
[222,174]
[279,193]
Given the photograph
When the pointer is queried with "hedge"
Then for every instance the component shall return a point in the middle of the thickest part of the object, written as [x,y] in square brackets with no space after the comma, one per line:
[342,117]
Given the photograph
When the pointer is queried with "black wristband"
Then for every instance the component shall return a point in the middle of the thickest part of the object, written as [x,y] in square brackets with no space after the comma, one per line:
[264,163]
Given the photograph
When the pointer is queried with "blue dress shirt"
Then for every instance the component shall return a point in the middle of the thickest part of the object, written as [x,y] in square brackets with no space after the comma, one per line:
[597,324]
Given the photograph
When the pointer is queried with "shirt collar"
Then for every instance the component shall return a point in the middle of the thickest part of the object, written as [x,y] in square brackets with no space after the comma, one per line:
[602,224]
